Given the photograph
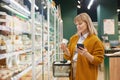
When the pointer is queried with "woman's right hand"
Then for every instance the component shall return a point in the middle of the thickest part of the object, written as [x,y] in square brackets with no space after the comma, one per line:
[63,46]
[65,49]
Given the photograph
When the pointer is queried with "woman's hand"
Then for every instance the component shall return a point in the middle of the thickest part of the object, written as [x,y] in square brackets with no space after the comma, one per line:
[63,47]
[82,51]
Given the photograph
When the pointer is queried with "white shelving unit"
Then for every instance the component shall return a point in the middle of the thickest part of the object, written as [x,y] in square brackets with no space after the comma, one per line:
[30,45]
[6,55]
[54,36]
[15,32]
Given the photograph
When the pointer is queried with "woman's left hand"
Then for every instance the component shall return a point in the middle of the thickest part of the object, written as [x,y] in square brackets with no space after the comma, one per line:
[82,51]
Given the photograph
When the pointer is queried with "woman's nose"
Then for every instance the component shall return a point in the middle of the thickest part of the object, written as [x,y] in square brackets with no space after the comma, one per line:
[79,26]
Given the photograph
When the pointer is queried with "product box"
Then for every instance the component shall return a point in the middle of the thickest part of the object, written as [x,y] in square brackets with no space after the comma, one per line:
[61,69]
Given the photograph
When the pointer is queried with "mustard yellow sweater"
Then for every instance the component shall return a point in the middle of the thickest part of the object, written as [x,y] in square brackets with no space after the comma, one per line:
[87,70]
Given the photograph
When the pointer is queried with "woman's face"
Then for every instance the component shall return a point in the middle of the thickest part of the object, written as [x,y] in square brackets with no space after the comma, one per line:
[81,27]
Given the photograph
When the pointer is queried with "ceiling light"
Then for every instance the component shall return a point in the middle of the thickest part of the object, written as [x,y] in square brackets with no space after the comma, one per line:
[34,5]
[118,10]
[42,2]
[78,6]
[78,1]
[90,4]
[14,11]
[14,2]
[61,21]
[44,7]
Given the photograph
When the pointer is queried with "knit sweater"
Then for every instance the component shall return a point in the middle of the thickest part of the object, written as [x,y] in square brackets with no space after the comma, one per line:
[85,69]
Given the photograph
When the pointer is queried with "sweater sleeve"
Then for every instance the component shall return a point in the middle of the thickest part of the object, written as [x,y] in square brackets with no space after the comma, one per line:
[98,53]
[65,54]
[71,47]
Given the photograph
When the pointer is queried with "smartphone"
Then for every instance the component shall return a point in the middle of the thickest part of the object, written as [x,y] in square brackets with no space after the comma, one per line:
[80,45]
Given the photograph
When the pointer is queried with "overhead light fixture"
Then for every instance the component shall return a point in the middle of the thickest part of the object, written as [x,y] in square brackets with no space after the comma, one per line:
[34,5]
[78,1]
[14,11]
[42,2]
[118,10]
[61,20]
[78,6]
[18,5]
[44,7]
[90,4]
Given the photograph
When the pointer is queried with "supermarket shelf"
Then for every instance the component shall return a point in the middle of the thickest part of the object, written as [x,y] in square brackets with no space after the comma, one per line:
[119,23]
[26,32]
[43,36]
[16,8]
[3,20]
[5,28]
[38,61]
[2,56]
[37,48]
[19,8]
[38,23]
[21,74]
[37,34]
[3,13]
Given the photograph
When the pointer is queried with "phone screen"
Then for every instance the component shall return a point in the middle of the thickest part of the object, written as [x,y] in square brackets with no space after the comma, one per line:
[80,45]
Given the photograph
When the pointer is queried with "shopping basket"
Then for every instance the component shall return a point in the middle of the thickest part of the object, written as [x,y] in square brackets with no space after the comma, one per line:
[61,69]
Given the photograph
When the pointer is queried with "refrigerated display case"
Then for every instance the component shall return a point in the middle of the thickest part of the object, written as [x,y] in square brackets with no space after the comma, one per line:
[29,42]
[15,29]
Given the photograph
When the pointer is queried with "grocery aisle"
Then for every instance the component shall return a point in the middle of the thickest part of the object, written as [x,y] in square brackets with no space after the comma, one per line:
[29,39]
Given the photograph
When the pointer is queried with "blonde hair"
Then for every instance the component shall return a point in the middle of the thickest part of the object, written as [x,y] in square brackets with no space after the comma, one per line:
[86,18]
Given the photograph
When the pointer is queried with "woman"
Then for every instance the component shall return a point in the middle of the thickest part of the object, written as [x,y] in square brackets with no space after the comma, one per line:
[85,60]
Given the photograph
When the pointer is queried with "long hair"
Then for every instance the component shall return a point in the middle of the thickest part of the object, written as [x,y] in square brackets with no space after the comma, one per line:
[86,18]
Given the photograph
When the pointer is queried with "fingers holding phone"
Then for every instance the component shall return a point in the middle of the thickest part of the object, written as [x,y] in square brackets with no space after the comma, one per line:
[80,46]
[81,49]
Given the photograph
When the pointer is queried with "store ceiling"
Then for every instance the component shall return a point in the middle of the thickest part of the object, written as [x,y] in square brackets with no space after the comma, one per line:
[83,8]
[92,11]
[39,4]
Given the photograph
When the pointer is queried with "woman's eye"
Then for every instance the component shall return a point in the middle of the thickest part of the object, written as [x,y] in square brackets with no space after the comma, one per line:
[80,23]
